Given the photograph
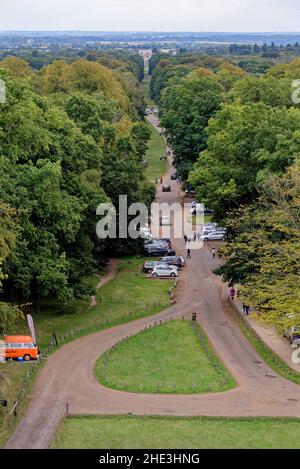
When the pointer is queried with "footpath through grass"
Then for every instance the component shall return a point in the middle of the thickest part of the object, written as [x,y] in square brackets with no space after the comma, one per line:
[130,432]
[156,148]
[128,296]
[168,358]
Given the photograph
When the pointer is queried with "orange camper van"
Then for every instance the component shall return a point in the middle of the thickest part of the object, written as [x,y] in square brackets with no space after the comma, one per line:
[20,347]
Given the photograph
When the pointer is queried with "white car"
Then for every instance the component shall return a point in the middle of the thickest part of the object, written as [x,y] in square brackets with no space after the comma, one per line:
[216,229]
[213,236]
[165,221]
[164,271]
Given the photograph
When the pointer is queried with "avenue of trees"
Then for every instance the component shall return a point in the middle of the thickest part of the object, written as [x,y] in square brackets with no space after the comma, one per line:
[70,138]
[236,140]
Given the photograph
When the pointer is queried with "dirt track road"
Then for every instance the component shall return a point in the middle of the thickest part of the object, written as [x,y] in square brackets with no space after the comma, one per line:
[68,376]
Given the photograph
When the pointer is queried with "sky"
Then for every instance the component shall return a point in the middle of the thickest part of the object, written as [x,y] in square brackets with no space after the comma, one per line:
[151,15]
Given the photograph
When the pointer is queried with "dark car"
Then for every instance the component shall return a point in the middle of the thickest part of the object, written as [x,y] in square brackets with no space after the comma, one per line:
[166,188]
[178,261]
[174,177]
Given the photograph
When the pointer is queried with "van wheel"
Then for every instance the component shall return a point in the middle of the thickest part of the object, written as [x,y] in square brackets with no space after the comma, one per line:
[27,358]
[172,274]
[154,275]
[206,239]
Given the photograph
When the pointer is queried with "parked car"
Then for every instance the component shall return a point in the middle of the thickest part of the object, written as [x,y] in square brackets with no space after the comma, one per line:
[174,176]
[215,229]
[157,250]
[164,271]
[189,191]
[177,261]
[197,209]
[213,236]
[166,188]
[292,333]
[148,266]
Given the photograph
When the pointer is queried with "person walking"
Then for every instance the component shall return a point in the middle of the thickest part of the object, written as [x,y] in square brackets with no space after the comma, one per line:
[188,254]
[213,252]
[195,237]
[247,310]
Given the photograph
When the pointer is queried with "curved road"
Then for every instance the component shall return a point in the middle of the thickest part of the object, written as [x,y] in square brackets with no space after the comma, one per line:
[68,377]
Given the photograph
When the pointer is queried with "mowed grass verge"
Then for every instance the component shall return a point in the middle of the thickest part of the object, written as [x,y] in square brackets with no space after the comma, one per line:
[156,148]
[130,432]
[128,296]
[168,358]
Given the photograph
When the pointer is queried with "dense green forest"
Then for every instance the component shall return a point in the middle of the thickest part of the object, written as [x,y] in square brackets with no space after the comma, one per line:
[71,137]
[236,140]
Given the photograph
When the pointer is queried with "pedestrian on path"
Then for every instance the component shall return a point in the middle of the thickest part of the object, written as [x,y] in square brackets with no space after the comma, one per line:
[195,237]
[188,254]
[213,252]
[246,309]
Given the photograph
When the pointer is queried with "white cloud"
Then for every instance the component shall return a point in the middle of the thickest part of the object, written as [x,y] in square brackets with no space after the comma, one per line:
[184,15]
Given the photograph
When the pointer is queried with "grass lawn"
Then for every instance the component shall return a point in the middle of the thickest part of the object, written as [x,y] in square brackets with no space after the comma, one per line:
[156,148]
[167,358]
[128,296]
[128,432]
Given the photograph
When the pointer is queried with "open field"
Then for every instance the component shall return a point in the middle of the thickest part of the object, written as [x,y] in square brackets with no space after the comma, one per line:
[168,358]
[129,432]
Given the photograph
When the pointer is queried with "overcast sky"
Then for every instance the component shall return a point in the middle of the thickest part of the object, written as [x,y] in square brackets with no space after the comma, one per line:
[151,15]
